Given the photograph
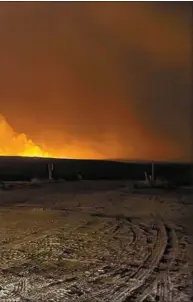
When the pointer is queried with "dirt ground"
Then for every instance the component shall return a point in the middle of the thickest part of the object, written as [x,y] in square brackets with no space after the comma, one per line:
[94,241]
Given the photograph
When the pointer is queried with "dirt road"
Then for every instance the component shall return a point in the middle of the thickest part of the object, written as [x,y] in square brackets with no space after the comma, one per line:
[94,241]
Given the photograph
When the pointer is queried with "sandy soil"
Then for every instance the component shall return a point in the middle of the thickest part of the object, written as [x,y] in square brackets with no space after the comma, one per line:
[94,241]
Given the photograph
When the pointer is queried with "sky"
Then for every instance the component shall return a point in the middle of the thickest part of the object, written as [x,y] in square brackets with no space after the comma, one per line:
[97,79]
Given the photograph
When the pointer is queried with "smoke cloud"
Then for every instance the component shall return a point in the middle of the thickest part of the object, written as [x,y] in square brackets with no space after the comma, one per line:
[102,80]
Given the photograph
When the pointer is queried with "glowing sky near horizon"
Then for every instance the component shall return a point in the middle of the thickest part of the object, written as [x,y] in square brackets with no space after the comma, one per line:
[96,80]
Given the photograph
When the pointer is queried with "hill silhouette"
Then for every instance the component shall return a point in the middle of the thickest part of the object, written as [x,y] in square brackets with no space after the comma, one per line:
[26,168]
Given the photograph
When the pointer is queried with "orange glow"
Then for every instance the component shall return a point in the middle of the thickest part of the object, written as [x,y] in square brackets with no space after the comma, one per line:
[18,144]
[14,144]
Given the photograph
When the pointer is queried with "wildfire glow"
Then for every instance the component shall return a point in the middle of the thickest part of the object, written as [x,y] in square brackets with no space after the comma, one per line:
[13,144]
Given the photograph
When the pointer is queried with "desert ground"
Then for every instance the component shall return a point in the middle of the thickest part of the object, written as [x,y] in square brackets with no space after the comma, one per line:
[94,241]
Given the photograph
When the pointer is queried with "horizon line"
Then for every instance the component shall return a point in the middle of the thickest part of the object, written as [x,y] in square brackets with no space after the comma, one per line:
[105,159]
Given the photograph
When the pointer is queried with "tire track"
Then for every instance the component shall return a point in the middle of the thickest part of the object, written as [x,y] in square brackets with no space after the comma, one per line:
[144,276]
[154,250]
[161,271]
[104,294]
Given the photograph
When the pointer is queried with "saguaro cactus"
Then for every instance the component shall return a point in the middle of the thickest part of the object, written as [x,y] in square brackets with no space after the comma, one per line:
[50,171]
[152,171]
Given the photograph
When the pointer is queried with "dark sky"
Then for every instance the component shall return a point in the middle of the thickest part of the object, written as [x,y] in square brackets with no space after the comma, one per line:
[113,78]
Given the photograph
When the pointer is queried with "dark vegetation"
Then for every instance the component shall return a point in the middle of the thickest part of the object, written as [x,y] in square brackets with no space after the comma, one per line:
[25,169]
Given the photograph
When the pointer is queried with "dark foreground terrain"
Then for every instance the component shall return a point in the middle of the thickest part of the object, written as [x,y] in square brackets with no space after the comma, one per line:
[25,169]
[94,241]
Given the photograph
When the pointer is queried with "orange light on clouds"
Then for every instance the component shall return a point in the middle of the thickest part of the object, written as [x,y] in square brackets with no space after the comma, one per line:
[14,144]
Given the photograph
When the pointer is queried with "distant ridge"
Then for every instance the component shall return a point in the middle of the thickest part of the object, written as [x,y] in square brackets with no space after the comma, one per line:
[26,168]
[140,161]
[127,161]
